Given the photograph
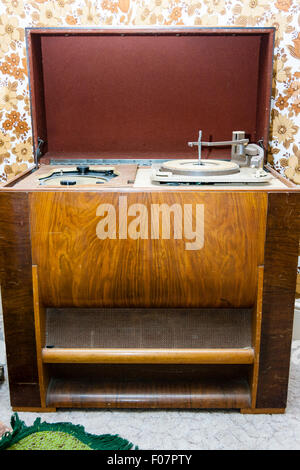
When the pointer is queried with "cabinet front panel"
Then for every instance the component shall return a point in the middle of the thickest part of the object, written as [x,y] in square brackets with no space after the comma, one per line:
[170,249]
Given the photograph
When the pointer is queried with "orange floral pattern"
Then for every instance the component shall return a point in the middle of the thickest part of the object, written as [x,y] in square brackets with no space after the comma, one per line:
[284,15]
[283,5]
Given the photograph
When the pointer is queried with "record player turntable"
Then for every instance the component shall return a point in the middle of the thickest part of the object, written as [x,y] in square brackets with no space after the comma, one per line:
[245,166]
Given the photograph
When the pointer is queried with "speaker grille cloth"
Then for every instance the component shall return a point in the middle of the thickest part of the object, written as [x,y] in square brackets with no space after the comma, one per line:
[148,328]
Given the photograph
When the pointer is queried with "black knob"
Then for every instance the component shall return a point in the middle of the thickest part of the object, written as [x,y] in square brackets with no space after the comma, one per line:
[67,182]
[83,169]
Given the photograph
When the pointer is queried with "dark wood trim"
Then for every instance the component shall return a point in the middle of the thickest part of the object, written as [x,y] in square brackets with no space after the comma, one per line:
[40,332]
[281,178]
[281,257]
[36,89]
[27,409]
[16,178]
[264,91]
[17,300]
[262,411]
[109,31]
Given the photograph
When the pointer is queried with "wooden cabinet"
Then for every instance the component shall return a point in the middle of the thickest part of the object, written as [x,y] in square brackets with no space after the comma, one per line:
[145,321]
[88,324]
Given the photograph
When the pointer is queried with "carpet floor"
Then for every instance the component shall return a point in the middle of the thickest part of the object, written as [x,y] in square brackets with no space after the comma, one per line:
[182,430]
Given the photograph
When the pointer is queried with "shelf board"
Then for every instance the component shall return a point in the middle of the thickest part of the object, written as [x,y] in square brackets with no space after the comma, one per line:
[148,356]
[205,393]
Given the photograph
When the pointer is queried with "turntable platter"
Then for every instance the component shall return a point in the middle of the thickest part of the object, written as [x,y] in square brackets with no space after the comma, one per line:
[206,168]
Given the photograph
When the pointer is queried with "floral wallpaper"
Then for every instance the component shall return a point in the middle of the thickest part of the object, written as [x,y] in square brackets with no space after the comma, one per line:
[15,131]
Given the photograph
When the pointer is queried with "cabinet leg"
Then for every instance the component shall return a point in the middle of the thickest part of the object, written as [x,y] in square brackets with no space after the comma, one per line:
[258,411]
[40,332]
[33,410]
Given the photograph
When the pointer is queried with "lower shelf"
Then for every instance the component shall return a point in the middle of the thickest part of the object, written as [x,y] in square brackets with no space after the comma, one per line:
[233,393]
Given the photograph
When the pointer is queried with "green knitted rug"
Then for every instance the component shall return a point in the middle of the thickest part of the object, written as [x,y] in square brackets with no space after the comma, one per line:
[57,436]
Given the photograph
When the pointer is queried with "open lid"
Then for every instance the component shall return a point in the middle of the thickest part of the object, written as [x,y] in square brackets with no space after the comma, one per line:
[106,93]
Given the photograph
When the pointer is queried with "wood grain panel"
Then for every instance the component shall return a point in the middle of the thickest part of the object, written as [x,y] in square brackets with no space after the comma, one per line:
[17,299]
[24,395]
[78,269]
[103,394]
[281,257]
[149,386]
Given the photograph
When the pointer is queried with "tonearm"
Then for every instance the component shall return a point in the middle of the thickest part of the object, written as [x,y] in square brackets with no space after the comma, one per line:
[242,153]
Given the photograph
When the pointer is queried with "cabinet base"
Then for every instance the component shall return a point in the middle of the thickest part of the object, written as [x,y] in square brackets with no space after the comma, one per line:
[257,411]
[30,409]
[242,411]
